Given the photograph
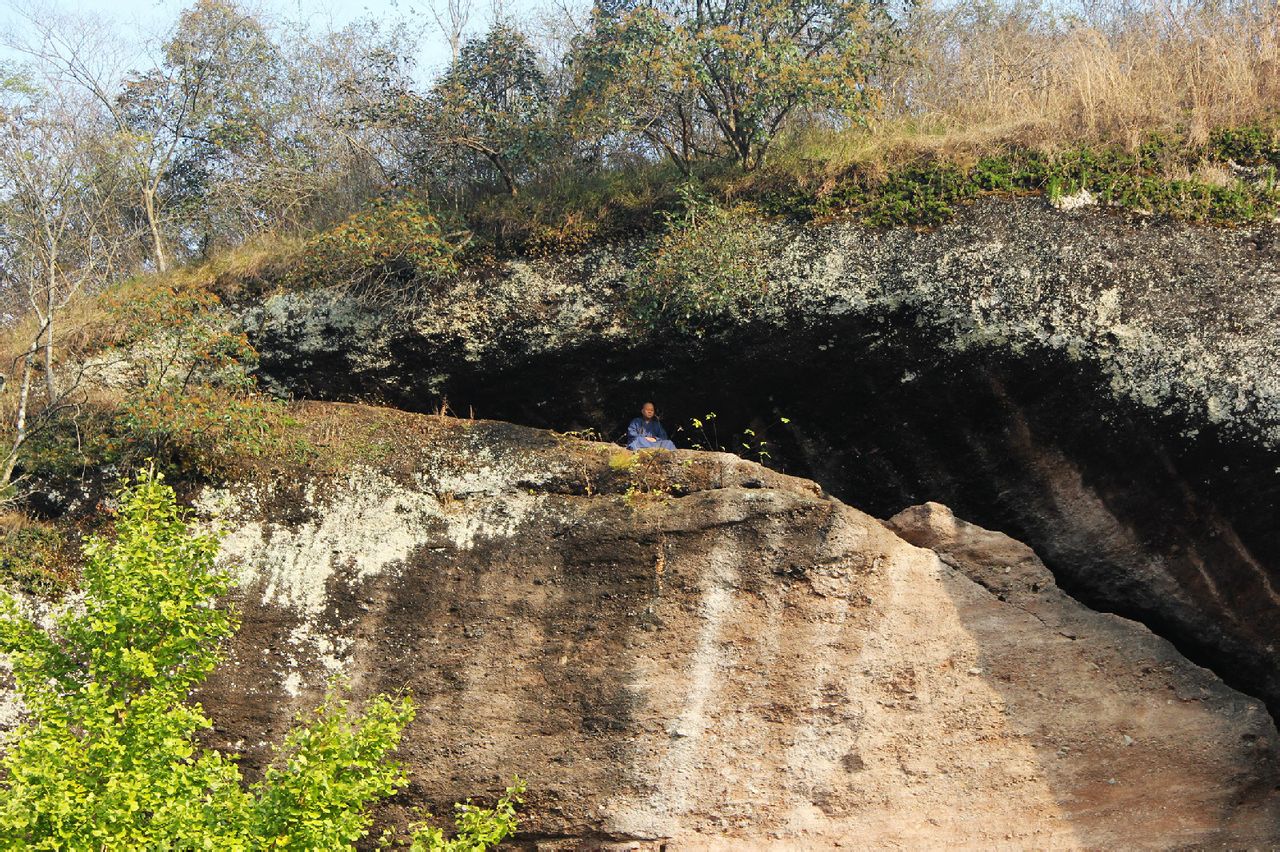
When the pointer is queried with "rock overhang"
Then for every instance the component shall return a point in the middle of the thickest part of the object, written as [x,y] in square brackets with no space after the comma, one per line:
[1103,386]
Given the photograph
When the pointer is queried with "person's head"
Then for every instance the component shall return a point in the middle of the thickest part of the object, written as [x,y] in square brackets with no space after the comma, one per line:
[647,411]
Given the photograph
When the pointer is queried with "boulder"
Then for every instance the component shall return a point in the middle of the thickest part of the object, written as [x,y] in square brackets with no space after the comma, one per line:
[690,651]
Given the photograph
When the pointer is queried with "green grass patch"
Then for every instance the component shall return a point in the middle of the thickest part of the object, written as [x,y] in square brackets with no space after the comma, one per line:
[1161,177]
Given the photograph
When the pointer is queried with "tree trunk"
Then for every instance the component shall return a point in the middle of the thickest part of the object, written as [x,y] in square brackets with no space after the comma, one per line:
[20,422]
[506,174]
[49,306]
[741,142]
[157,243]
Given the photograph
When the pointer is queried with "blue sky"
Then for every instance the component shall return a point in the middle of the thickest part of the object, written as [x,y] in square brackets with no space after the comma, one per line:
[143,15]
[139,21]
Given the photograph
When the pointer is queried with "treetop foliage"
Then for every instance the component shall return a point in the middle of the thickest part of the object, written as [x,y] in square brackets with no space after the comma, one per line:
[696,76]
[494,101]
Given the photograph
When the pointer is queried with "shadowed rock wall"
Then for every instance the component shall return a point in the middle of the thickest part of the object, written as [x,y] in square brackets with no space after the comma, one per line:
[1105,388]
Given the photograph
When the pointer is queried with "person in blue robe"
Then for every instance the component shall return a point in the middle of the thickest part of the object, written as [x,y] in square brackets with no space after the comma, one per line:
[646,433]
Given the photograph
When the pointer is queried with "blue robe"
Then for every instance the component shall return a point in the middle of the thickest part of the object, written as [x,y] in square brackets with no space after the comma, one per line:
[640,428]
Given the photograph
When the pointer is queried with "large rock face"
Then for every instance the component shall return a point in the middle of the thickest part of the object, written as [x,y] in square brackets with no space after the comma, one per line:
[688,649]
[1175,316]
[1106,388]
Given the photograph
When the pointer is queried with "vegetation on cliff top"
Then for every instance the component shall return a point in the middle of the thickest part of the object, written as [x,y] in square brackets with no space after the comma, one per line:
[539,136]
[244,154]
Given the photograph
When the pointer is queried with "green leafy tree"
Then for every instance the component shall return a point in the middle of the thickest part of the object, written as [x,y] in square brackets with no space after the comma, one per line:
[707,267]
[203,95]
[628,78]
[494,102]
[106,757]
[687,74]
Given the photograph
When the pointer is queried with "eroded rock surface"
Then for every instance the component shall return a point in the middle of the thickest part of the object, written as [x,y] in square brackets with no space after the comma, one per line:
[688,649]
[1105,387]
[1176,316]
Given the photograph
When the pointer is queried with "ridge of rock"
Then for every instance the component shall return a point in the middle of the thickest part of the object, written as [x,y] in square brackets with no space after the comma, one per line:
[691,650]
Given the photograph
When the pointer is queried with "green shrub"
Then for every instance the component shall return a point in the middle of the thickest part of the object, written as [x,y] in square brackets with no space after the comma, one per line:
[918,195]
[1250,145]
[928,192]
[706,268]
[391,241]
[107,756]
[477,828]
[200,430]
[191,402]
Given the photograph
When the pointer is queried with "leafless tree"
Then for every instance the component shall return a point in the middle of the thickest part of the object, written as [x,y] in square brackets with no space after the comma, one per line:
[157,114]
[80,50]
[58,239]
[452,17]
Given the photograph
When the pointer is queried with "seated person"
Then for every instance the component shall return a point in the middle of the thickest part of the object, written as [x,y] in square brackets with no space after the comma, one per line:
[646,433]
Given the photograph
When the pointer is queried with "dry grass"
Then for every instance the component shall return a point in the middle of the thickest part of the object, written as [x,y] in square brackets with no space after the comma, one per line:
[85,325]
[12,521]
[246,270]
[1113,73]
[981,79]
[825,153]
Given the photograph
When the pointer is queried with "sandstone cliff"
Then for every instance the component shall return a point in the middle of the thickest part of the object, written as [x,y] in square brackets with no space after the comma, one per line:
[691,650]
[1105,387]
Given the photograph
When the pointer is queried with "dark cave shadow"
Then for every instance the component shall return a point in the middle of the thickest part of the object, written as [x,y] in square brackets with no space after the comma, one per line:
[1143,516]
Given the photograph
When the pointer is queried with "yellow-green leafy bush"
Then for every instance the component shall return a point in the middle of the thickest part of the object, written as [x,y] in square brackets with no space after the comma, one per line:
[391,241]
[107,755]
[706,268]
